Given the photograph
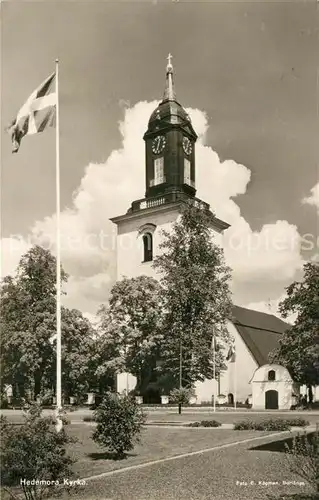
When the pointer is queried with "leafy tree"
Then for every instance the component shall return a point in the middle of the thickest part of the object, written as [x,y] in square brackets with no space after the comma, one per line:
[28,327]
[196,298]
[130,326]
[78,351]
[28,321]
[299,345]
[106,360]
[119,424]
[36,453]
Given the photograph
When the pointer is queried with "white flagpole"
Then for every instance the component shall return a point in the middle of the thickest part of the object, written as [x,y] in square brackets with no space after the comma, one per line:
[59,423]
[235,378]
[214,369]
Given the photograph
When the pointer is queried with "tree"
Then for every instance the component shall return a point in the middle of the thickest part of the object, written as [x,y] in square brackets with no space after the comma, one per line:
[34,453]
[27,321]
[196,298]
[78,351]
[119,423]
[131,321]
[28,327]
[299,346]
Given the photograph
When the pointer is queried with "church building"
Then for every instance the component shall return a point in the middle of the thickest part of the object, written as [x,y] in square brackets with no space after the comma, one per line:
[170,180]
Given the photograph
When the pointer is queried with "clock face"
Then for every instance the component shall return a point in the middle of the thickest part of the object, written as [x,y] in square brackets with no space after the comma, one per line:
[158,144]
[187,146]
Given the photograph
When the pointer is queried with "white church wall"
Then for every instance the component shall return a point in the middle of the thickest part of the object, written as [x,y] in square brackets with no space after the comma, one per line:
[285,394]
[242,370]
[130,244]
[283,384]
[236,379]
[205,390]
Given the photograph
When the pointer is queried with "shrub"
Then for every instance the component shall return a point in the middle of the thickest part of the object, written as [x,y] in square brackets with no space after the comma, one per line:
[264,425]
[34,451]
[205,423]
[119,423]
[297,422]
[272,425]
[303,457]
[182,395]
[244,425]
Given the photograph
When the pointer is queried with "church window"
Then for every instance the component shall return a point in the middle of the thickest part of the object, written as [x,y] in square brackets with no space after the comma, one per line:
[187,172]
[159,171]
[271,375]
[148,247]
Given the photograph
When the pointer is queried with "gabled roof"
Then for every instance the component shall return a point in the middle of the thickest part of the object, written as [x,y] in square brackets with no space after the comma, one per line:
[260,331]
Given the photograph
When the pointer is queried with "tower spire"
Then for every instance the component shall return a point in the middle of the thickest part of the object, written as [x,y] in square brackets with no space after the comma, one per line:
[169,92]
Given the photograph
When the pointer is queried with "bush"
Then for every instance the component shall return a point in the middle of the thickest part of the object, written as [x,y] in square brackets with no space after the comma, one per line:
[119,423]
[181,395]
[265,425]
[34,451]
[297,422]
[205,423]
[303,457]
[272,425]
[244,425]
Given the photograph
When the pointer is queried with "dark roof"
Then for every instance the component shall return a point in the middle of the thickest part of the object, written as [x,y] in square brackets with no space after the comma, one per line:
[260,331]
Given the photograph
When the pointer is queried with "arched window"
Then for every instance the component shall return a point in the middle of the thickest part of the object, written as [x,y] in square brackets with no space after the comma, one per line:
[271,375]
[148,247]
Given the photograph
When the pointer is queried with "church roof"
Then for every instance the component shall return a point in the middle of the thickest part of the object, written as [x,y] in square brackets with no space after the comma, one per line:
[170,111]
[260,331]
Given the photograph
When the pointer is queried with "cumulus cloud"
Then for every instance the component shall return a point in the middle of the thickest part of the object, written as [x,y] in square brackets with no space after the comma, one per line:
[106,190]
[313,198]
[11,251]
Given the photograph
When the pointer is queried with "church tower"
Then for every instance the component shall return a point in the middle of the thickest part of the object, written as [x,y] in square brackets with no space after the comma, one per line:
[170,181]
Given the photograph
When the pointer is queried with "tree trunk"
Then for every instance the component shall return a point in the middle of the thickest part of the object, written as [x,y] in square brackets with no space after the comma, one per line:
[310,394]
[37,385]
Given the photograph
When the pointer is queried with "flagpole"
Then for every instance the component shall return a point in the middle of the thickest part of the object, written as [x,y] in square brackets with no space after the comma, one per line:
[214,368]
[59,423]
[235,379]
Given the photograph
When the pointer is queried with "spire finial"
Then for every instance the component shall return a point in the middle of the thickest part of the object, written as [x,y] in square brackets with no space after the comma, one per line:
[169,93]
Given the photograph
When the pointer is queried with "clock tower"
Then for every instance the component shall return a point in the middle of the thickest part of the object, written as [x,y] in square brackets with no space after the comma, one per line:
[170,181]
[170,146]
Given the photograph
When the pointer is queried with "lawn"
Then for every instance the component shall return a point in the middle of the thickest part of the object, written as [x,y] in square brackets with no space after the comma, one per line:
[211,475]
[231,473]
[228,417]
[156,443]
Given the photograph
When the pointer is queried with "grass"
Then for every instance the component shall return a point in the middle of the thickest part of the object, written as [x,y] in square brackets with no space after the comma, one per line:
[156,443]
[212,475]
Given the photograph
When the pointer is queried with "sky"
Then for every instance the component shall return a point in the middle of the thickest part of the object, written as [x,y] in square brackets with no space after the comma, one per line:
[247,74]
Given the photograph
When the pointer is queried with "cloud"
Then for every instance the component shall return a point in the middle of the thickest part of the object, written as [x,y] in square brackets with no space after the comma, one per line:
[11,251]
[270,256]
[313,198]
